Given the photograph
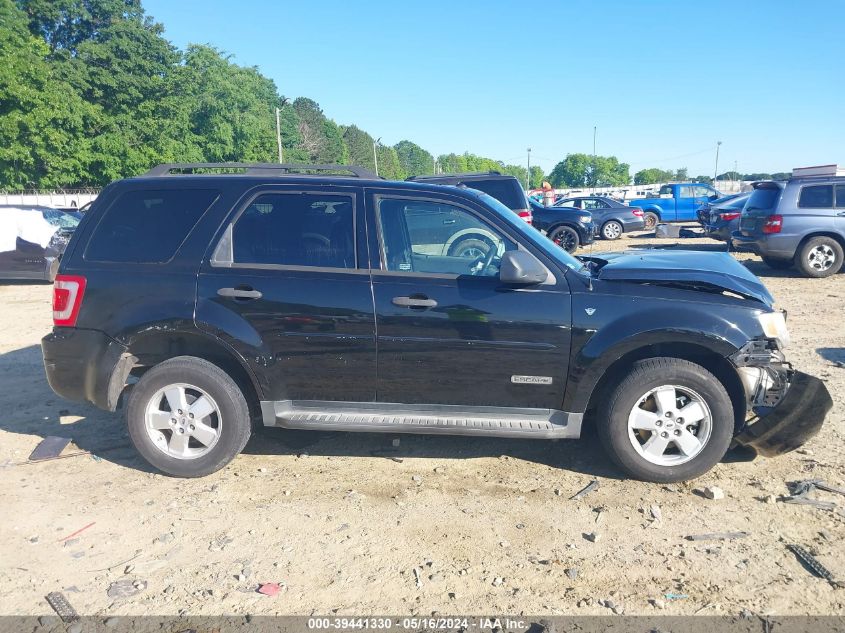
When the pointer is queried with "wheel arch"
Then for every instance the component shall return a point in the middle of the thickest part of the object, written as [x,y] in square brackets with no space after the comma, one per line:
[693,352]
[831,234]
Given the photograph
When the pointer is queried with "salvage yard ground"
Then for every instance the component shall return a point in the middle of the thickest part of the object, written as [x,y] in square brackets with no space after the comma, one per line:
[351,524]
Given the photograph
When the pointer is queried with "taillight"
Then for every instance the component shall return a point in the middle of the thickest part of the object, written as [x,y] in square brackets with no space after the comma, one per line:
[525,214]
[67,299]
[637,212]
[727,217]
[773,224]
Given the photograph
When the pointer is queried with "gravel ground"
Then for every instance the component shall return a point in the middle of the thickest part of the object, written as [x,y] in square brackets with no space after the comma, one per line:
[350,524]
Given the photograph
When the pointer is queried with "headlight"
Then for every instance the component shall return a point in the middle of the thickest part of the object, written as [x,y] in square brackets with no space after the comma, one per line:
[774,326]
[585,219]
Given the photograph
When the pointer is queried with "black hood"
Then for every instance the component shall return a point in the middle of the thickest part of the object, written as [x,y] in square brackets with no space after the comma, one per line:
[693,268]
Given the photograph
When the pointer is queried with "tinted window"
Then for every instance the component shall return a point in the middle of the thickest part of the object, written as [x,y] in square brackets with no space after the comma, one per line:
[666,190]
[147,226]
[593,203]
[840,196]
[296,229]
[506,190]
[763,199]
[568,203]
[816,197]
[430,237]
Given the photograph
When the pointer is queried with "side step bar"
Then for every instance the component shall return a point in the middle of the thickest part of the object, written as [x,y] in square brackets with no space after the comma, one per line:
[403,418]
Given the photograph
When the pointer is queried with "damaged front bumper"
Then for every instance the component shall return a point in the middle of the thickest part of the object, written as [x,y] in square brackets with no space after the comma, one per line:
[789,406]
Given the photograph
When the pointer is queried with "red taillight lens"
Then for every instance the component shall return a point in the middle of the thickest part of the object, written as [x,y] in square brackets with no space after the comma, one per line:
[525,215]
[727,217]
[67,299]
[637,212]
[773,224]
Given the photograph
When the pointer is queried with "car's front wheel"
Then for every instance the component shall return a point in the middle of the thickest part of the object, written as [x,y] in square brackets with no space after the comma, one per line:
[612,230]
[667,420]
[565,237]
[819,257]
[187,417]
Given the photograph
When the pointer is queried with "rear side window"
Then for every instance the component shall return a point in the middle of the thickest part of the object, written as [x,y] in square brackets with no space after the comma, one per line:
[816,197]
[763,199]
[506,190]
[147,226]
[840,196]
[296,229]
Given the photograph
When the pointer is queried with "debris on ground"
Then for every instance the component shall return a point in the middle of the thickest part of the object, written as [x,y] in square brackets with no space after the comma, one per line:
[571,573]
[49,448]
[717,536]
[656,514]
[269,589]
[812,563]
[417,577]
[593,537]
[714,492]
[78,532]
[800,493]
[61,606]
[126,588]
[590,487]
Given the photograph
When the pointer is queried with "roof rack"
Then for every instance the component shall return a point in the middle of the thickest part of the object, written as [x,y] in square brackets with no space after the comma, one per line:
[458,175]
[262,169]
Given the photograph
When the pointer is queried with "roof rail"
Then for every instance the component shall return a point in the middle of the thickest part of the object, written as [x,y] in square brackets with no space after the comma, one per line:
[261,169]
[458,175]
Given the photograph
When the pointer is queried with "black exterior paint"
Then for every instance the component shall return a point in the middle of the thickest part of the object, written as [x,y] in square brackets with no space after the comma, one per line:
[549,218]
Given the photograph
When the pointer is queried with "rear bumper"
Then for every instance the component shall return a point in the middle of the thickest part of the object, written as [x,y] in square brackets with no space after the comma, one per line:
[777,246]
[81,365]
[635,224]
[721,233]
[793,421]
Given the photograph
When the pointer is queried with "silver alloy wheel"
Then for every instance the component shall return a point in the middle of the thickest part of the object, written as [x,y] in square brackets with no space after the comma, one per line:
[670,425]
[183,421]
[611,230]
[821,257]
[473,252]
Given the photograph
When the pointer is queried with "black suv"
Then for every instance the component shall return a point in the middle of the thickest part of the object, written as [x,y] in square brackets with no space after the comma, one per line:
[211,296]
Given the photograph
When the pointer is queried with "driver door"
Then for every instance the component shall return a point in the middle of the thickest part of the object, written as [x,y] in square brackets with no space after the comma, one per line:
[448,331]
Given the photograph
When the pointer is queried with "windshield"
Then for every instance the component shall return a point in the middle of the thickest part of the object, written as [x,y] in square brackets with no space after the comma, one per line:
[734,203]
[61,219]
[531,233]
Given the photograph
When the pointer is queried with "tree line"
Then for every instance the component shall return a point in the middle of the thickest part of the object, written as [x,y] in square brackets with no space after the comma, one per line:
[91,91]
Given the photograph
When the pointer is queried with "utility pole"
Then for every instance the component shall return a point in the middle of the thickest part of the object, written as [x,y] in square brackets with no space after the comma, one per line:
[716,171]
[375,155]
[279,137]
[594,159]
[528,180]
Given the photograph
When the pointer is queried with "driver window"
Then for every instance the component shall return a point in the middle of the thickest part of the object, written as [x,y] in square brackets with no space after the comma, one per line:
[438,238]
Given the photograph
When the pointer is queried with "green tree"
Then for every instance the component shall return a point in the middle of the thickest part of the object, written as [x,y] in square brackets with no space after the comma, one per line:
[388,163]
[414,160]
[582,170]
[360,145]
[707,180]
[681,175]
[321,140]
[651,176]
[536,178]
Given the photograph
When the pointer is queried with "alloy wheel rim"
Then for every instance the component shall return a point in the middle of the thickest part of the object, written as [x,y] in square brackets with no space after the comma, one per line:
[821,257]
[183,421]
[565,240]
[650,221]
[612,230]
[670,425]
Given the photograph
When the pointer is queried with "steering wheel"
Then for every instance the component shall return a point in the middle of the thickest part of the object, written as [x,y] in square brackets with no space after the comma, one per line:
[488,259]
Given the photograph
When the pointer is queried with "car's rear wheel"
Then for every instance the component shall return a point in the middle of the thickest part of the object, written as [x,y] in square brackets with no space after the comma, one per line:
[472,248]
[777,264]
[187,417]
[819,257]
[612,230]
[565,237]
[667,420]
[651,219]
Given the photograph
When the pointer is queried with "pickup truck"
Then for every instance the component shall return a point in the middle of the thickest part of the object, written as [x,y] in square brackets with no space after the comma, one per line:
[674,202]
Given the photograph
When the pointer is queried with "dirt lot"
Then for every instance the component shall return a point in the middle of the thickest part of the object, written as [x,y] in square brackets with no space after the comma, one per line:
[343,520]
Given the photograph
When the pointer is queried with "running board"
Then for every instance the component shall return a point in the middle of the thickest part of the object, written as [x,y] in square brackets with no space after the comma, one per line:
[405,418]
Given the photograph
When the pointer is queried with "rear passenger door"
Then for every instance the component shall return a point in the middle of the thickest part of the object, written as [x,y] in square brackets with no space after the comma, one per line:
[284,288]
[840,209]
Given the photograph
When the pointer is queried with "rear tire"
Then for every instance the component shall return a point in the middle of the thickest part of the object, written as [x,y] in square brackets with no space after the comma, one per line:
[565,237]
[777,264]
[651,219]
[612,230]
[169,436]
[642,425]
[819,257]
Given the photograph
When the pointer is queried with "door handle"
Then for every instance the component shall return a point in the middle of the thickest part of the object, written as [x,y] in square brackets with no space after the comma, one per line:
[841,213]
[417,301]
[241,292]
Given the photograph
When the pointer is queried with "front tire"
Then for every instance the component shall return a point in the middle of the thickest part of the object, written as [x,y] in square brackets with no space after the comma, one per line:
[566,238]
[819,257]
[668,420]
[187,417]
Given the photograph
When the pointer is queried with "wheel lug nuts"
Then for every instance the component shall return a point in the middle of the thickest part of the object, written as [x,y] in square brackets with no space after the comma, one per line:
[658,423]
[173,420]
[677,431]
[179,412]
[664,434]
[192,427]
[680,420]
[191,415]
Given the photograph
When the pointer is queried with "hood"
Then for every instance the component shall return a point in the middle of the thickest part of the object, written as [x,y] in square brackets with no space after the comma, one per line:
[692,268]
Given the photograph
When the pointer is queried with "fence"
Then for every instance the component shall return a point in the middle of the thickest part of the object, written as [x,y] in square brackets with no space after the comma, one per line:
[67,198]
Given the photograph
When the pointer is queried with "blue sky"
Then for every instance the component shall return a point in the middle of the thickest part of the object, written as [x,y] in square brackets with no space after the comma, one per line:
[662,80]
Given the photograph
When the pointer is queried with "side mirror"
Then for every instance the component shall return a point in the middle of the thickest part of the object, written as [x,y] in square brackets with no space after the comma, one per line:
[521,267]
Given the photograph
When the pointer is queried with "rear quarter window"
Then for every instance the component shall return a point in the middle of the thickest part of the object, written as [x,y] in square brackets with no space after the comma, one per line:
[507,191]
[816,197]
[147,225]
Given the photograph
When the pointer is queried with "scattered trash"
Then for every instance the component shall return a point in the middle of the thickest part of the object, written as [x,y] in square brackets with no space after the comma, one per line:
[807,501]
[497,581]
[61,606]
[717,536]
[714,492]
[656,514]
[417,577]
[571,573]
[813,564]
[269,589]
[49,448]
[800,491]
[657,603]
[675,596]
[593,485]
[79,531]
[126,588]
